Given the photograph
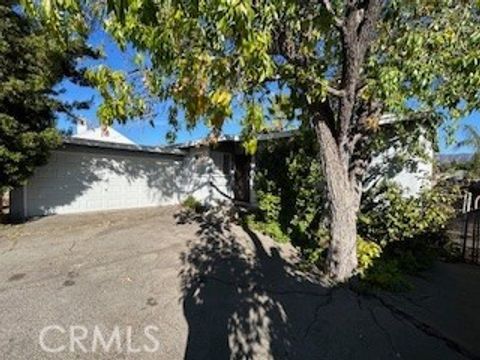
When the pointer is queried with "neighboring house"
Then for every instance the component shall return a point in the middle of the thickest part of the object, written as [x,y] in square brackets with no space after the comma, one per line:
[100,169]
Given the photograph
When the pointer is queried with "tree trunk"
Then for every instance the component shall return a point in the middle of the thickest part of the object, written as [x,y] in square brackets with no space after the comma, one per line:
[344,203]
[336,135]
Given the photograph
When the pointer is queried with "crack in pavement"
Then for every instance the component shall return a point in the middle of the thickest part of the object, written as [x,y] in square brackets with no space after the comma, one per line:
[384,330]
[414,303]
[317,309]
[426,328]
[376,321]
[396,312]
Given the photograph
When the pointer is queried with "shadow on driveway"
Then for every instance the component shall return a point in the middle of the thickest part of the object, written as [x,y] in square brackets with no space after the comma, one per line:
[243,298]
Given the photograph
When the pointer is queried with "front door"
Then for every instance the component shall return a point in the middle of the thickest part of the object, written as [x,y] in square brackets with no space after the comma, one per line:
[241,188]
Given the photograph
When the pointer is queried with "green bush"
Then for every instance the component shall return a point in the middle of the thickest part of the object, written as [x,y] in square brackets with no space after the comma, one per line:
[409,231]
[388,215]
[387,275]
[290,196]
[271,229]
[269,205]
[367,252]
[193,204]
[408,257]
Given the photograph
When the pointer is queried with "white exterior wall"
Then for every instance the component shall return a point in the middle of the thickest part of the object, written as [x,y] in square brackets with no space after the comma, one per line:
[414,181]
[92,180]
[253,194]
[201,168]
[412,178]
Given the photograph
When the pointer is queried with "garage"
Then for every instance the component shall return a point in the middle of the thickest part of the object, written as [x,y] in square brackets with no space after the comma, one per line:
[87,175]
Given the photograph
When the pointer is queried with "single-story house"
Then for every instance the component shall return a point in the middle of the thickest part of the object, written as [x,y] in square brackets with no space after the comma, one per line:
[100,169]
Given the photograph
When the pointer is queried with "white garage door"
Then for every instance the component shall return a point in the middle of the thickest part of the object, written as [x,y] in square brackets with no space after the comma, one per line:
[76,181]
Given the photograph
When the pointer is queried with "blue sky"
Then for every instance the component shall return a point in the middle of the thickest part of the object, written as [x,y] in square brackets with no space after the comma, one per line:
[143,133]
[139,131]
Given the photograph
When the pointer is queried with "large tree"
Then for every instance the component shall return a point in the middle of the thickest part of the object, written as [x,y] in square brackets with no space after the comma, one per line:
[334,65]
[32,63]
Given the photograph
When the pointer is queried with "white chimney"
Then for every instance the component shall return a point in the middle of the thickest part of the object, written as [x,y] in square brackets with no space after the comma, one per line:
[81,126]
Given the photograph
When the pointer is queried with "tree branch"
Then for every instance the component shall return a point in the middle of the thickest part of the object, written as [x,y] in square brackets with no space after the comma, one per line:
[325,113]
[357,35]
[328,6]
[335,92]
[366,29]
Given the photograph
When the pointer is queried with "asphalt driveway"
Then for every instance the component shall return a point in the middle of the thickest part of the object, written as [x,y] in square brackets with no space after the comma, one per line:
[153,284]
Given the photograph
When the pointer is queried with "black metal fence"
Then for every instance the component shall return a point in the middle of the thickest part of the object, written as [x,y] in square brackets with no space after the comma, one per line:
[471,237]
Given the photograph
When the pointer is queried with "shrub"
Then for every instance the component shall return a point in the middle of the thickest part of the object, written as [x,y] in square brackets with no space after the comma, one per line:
[193,204]
[271,229]
[408,231]
[408,257]
[387,275]
[367,252]
[269,206]
[290,197]
[388,215]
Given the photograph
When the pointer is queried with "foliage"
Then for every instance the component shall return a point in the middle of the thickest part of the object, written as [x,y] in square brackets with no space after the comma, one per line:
[367,252]
[31,65]
[207,55]
[409,231]
[270,228]
[388,215]
[408,257]
[385,275]
[192,203]
[269,205]
[290,191]
[397,232]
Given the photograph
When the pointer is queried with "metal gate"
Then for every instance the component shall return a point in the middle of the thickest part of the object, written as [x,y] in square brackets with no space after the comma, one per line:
[471,237]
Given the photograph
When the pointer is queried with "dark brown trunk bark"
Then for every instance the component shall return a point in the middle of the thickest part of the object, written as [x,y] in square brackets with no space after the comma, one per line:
[343,205]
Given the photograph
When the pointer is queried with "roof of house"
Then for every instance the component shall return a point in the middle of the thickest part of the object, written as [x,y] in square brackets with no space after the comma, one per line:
[106,134]
[109,138]
[233,138]
[96,144]
[385,119]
